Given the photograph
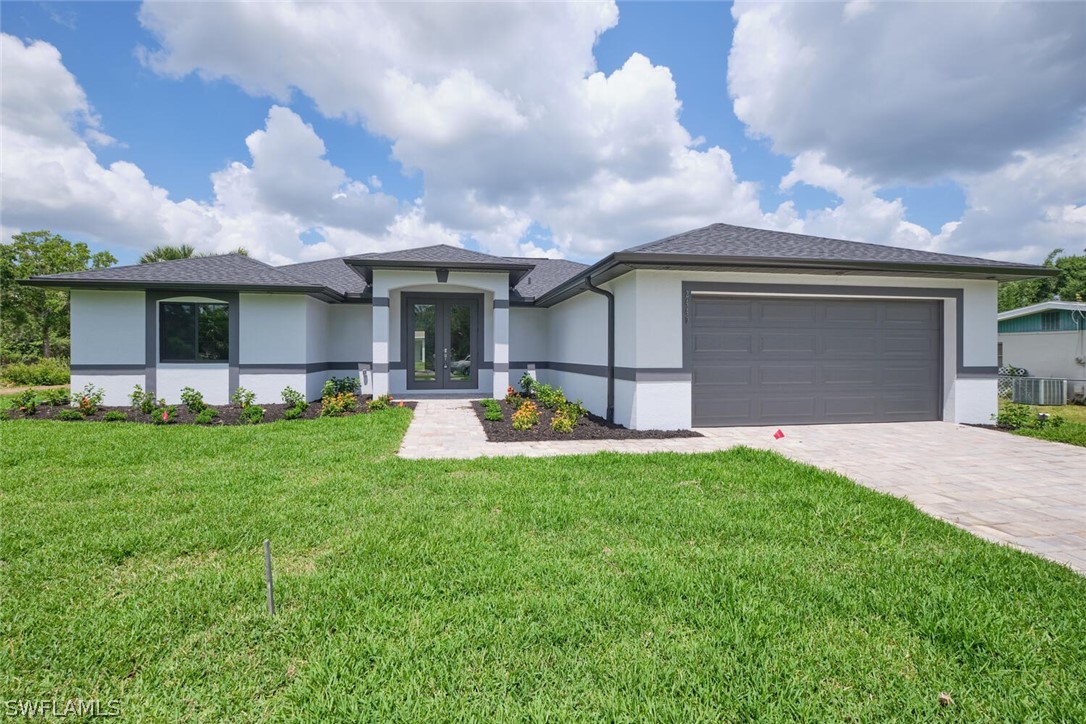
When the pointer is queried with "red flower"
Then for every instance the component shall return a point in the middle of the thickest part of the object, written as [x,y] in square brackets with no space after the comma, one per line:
[165,415]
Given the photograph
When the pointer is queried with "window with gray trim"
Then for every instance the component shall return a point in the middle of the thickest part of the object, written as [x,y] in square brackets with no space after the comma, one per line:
[193,332]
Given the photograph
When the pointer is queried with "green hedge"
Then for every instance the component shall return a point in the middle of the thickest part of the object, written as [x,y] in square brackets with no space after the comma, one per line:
[43,372]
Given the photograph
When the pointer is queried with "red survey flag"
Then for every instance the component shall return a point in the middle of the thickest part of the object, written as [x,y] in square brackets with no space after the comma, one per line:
[778,435]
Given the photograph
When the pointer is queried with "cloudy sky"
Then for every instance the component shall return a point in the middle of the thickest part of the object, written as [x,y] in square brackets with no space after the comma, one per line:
[305,131]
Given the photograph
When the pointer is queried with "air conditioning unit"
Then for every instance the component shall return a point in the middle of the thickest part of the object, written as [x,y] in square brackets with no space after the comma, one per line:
[1039,391]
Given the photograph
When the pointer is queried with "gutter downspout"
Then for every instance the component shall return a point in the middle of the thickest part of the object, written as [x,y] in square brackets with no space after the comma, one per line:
[610,347]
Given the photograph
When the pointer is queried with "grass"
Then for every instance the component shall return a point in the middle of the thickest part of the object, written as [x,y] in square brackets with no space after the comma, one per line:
[1072,431]
[727,586]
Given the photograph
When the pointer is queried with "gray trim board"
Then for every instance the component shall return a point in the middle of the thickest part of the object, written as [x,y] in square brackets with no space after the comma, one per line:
[499,366]
[109,369]
[380,301]
[635,374]
[501,304]
[301,368]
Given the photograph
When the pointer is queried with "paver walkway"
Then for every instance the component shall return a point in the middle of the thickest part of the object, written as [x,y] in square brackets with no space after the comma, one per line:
[1006,488]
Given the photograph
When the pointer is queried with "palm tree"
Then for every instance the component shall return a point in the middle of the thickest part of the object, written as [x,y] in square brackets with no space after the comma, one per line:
[184,251]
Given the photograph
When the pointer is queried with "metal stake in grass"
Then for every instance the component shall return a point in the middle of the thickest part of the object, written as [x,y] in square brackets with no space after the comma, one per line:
[268,576]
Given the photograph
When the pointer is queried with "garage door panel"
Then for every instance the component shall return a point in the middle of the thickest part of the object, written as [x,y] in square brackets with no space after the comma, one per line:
[763,361]
[724,375]
[849,374]
[849,315]
[789,312]
[778,374]
[723,342]
[787,343]
[792,406]
[714,311]
[839,407]
[850,345]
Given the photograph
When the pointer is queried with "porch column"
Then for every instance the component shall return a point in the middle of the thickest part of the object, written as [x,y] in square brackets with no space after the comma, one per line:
[501,347]
[380,345]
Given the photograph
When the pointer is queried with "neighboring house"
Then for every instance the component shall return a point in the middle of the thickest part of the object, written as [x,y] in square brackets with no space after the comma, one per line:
[722,325]
[1046,339]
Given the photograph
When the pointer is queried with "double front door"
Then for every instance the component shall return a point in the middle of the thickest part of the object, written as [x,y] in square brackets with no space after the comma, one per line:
[442,344]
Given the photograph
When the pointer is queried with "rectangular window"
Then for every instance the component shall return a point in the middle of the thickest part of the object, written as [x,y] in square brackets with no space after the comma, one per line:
[1050,321]
[193,332]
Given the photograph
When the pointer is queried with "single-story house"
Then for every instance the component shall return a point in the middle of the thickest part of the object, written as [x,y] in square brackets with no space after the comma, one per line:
[722,325]
[1046,339]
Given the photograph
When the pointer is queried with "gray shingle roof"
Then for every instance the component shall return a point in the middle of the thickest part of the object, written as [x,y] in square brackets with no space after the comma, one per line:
[226,270]
[725,240]
[437,254]
[546,274]
[336,274]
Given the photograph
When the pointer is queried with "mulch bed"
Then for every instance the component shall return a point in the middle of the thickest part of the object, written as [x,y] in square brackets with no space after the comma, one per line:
[228,414]
[590,427]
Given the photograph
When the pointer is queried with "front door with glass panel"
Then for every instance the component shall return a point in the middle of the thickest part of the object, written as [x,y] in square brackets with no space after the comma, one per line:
[442,336]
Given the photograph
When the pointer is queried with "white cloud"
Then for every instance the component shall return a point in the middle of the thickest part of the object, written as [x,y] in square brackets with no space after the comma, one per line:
[500,107]
[52,179]
[909,91]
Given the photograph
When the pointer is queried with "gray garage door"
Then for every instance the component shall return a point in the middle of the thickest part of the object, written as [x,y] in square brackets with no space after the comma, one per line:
[766,361]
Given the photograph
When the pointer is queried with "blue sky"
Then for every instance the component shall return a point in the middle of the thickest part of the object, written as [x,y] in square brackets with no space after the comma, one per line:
[788,141]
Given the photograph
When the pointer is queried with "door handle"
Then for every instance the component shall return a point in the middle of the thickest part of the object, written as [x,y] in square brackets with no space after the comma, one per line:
[445,357]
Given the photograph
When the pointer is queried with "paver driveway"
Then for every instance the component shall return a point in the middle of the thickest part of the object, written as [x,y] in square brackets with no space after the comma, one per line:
[1006,488]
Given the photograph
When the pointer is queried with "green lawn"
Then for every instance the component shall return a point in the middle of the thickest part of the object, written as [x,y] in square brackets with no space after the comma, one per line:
[728,586]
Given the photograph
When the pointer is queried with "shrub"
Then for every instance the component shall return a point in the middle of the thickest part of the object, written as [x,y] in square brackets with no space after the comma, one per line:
[115,416]
[293,398]
[27,401]
[252,414]
[293,413]
[526,416]
[56,398]
[206,416]
[243,398]
[527,384]
[382,402]
[1014,416]
[193,400]
[562,421]
[69,414]
[339,386]
[142,400]
[549,397]
[164,414]
[90,399]
[338,404]
[574,410]
[49,371]
[513,398]
[492,410]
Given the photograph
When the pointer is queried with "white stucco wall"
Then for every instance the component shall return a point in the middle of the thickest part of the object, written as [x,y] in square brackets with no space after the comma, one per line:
[107,333]
[273,329]
[577,334]
[1046,354]
[212,380]
[108,327]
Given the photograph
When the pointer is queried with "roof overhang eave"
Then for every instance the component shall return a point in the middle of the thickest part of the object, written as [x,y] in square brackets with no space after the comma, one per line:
[120,285]
[620,263]
[366,266]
